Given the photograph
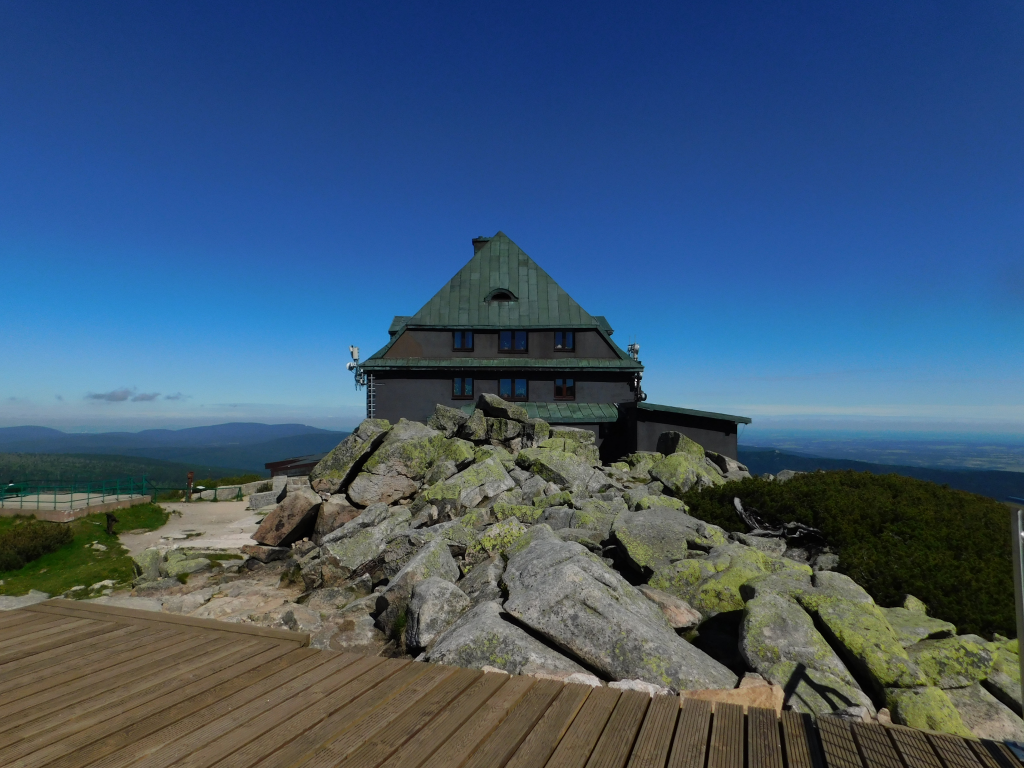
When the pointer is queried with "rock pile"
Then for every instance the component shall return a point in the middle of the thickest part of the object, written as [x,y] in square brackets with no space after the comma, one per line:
[495,540]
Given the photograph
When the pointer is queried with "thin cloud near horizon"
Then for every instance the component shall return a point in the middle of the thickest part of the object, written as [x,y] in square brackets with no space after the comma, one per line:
[124,394]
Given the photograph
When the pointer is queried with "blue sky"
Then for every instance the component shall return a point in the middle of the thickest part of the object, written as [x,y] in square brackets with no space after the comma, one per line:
[808,213]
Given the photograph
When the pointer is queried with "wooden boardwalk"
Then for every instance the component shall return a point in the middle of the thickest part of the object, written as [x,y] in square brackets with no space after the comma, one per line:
[89,685]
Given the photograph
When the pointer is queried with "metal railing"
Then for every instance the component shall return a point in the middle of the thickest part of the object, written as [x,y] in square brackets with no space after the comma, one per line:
[72,495]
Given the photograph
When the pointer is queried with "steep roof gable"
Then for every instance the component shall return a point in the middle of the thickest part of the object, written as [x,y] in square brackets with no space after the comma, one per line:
[539,301]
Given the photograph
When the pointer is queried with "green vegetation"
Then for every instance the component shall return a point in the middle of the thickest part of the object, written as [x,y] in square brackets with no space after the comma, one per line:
[222,482]
[21,544]
[65,467]
[895,536]
[77,562]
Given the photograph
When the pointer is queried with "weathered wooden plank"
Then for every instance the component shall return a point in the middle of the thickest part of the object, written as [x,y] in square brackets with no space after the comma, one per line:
[875,748]
[953,751]
[837,743]
[103,734]
[542,740]
[15,655]
[1001,755]
[115,613]
[613,748]
[40,633]
[344,720]
[655,737]
[726,748]
[803,749]
[386,741]
[690,744]
[238,729]
[764,742]
[447,722]
[25,625]
[464,742]
[508,736]
[575,748]
[914,748]
[292,678]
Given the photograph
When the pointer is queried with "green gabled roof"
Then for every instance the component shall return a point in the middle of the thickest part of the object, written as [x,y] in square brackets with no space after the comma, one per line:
[379,363]
[500,263]
[566,412]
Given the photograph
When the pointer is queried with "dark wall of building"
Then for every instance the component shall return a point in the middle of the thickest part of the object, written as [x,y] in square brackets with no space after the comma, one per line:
[541,345]
[414,395]
[641,430]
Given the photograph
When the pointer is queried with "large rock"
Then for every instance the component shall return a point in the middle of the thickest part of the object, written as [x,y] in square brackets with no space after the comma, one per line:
[334,513]
[346,555]
[433,560]
[482,583]
[496,408]
[571,597]
[927,708]
[335,470]
[147,564]
[597,515]
[954,662]
[447,420]
[984,715]
[658,536]
[435,605]
[778,640]
[409,451]
[1003,680]
[714,584]
[913,626]
[685,468]
[482,638]
[565,470]
[731,469]
[498,538]
[678,613]
[472,485]
[291,520]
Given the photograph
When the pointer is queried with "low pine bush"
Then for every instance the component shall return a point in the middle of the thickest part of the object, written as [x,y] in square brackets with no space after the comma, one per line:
[24,543]
[894,535]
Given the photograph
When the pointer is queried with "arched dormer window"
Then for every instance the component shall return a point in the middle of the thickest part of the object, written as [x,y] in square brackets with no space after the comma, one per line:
[501,294]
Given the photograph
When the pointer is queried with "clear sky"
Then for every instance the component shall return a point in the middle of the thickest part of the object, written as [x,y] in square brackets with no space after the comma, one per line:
[805,212]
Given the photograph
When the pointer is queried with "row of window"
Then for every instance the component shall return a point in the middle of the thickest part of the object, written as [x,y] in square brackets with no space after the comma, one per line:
[513,389]
[514,341]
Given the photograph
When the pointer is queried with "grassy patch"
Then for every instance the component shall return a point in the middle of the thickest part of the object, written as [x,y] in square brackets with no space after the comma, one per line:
[223,482]
[895,535]
[77,563]
[22,544]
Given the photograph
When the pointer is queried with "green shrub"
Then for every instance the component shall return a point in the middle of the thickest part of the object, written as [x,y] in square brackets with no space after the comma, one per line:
[29,541]
[894,535]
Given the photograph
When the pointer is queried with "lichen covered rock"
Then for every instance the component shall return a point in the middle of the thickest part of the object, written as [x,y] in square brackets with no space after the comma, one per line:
[335,470]
[954,662]
[472,485]
[927,708]
[435,605]
[686,468]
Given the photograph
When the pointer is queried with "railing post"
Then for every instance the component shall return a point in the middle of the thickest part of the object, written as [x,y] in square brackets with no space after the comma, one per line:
[1017,539]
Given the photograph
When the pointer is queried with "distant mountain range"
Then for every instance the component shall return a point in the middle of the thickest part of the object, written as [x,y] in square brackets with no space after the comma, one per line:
[240,445]
[996,484]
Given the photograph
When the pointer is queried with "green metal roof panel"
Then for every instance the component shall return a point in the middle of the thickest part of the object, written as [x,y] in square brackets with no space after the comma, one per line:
[691,412]
[566,413]
[376,363]
[541,302]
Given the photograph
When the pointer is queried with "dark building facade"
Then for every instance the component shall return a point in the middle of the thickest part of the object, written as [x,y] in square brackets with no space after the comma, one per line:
[502,326]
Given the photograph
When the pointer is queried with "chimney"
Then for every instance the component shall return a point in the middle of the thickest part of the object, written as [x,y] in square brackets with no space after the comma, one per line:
[480,242]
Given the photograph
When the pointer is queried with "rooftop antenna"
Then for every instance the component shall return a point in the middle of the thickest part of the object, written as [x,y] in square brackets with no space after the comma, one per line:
[356,368]
[634,352]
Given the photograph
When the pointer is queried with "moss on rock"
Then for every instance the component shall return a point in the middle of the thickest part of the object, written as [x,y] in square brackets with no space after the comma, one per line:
[927,708]
[954,662]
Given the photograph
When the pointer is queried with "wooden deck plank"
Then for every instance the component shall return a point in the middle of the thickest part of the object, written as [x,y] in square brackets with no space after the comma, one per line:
[914,748]
[344,719]
[48,662]
[655,737]
[1002,756]
[57,641]
[540,744]
[692,733]
[23,625]
[39,633]
[837,743]
[458,748]
[103,679]
[764,743]
[613,748]
[953,751]
[803,749]
[726,747]
[295,675]
[876,750]
[576,747]
[115,613]
[387,741]
[102,734]
[237,728]
[12,617]
[507,737]
[64,676]
[368,721]
[447,722]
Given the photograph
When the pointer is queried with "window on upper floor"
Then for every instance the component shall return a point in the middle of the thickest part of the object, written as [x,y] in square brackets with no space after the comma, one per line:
[513,389]
[462,340]
[462,389]
[565,389]
[565,341]
[513,341]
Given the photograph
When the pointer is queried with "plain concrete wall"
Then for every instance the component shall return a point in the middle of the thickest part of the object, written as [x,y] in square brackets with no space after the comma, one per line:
[417,343]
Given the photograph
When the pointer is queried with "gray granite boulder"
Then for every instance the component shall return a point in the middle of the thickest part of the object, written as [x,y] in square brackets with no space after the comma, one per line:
[147,564]
[568,595]
[685,468]
[597,515]
[434,607]
[658,536]
[481,481]
[433,560]
[482,583]
[953,662]
[914,626]
[564,469]
[447,420]
[482,638]
[335,470]
[496,408]
[985,716]
[344,556]
[373,515]
[291,520]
